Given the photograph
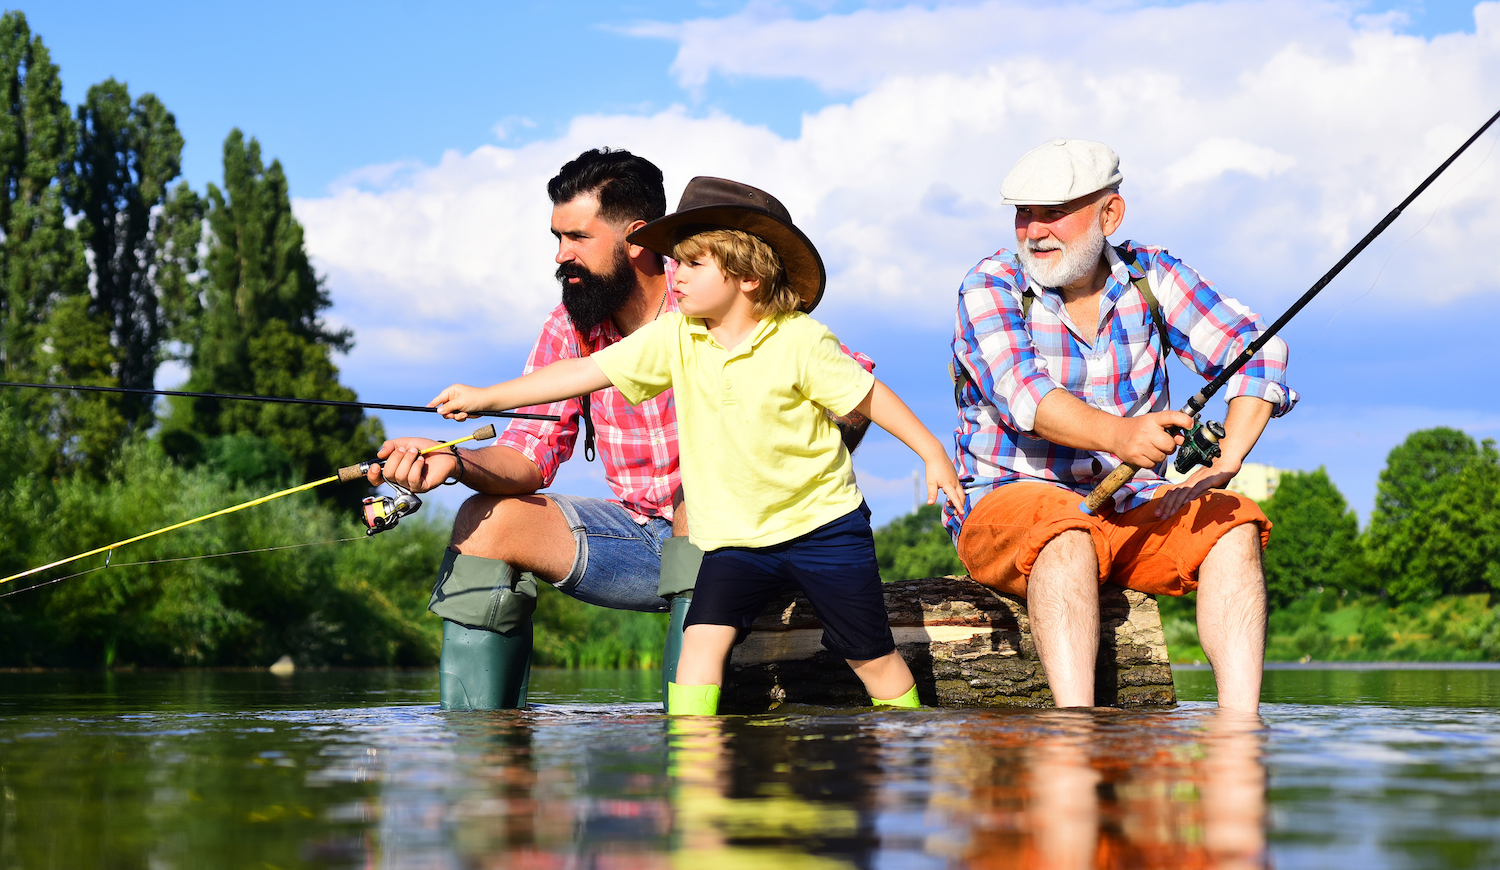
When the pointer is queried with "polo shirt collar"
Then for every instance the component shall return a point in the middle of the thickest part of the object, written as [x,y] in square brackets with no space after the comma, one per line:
[763,330]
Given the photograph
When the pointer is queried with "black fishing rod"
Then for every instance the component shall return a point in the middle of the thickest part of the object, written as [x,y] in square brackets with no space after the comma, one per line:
[1201,446]
[281,399]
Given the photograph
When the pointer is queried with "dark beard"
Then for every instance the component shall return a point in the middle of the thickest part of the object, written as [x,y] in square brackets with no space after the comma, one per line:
[595,298]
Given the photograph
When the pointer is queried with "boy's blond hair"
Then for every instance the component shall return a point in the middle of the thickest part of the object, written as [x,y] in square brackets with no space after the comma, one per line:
[744,256]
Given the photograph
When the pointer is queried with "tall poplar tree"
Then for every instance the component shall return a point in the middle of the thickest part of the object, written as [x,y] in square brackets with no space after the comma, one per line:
[127,154]
[260,331]
[47,331]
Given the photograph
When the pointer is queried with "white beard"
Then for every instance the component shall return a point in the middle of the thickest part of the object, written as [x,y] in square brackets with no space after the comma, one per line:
[1077,262]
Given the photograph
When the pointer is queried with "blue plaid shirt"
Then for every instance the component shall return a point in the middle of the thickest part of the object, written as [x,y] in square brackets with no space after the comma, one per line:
[1014,361]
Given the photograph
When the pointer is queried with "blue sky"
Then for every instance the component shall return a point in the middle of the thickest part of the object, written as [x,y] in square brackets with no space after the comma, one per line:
[1259,139]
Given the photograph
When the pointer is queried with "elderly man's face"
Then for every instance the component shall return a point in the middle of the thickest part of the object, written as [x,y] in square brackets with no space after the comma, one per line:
[1060,244]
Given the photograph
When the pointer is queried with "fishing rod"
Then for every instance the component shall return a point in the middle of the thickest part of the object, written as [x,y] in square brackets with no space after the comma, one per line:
[281,399]
[1201,445]
[380,513]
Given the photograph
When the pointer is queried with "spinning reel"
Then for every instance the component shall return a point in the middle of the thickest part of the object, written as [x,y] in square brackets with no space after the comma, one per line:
[383,512]
[1200,447]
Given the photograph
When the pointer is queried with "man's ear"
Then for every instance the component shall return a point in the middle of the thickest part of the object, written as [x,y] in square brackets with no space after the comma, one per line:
[1111,213]
[632,251]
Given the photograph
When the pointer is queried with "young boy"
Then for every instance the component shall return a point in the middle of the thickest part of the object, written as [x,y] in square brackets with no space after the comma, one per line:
[769,486]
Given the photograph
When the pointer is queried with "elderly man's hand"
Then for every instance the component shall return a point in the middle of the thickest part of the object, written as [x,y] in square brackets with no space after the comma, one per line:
[406,466]
[1143,441]
[1170,499]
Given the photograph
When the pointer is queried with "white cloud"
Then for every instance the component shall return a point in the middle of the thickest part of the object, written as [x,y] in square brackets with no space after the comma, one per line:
[1259,140]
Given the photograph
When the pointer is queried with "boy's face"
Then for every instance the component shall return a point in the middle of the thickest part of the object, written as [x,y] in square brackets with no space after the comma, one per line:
[703,290]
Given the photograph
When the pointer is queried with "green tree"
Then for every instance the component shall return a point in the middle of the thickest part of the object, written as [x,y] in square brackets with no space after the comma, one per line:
[258,328]
[1434,531]
[916,546]
[1315,540]
[46,330]
[127,154]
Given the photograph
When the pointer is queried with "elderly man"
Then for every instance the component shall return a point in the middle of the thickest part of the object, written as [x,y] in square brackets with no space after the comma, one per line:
[1060,354]
[628,553]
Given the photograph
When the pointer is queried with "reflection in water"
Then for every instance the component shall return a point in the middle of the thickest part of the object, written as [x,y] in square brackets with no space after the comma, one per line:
[212,777]
[1073,789]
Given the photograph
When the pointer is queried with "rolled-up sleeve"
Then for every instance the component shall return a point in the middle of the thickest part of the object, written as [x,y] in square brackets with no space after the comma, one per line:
[997,349]
[1209,331]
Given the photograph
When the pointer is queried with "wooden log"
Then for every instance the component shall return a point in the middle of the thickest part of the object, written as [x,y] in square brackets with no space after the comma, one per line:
[967,645]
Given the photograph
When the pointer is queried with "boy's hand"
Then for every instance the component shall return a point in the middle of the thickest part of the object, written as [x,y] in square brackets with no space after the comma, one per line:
[940,475]
[455,402]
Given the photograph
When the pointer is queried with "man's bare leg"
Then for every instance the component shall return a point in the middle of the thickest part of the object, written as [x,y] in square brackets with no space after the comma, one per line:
[1062,601]
[528,532]
[1232,616]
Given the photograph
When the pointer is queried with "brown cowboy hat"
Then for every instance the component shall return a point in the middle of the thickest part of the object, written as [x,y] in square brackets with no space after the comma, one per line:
[713,203]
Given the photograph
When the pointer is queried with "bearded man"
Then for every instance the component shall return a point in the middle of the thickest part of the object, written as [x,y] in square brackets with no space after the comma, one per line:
[626,553]
[1060,355]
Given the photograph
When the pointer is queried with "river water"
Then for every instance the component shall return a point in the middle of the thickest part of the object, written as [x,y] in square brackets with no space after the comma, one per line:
[1364,768]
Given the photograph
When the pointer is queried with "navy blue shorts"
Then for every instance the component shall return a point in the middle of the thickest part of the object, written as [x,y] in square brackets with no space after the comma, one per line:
[833,565]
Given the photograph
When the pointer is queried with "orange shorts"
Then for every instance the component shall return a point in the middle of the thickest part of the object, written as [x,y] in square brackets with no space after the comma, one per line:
[1003,534]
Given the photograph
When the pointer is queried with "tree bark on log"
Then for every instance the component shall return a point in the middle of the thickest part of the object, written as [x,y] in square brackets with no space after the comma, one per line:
[967,646]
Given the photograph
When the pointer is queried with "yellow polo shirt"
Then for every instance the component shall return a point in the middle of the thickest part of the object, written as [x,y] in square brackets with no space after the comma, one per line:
[761,463]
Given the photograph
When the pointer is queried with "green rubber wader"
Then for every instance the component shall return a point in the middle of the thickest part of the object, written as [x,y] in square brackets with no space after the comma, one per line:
[680,561]
[486,608]
[484,670]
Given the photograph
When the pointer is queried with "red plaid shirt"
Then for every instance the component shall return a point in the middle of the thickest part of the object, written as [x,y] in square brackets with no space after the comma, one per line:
[637,443]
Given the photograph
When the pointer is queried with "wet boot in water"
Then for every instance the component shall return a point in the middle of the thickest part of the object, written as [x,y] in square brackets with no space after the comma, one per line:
[486,606]
[680,560]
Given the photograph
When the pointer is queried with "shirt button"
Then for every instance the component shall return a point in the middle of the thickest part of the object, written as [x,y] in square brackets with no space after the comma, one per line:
[728,385]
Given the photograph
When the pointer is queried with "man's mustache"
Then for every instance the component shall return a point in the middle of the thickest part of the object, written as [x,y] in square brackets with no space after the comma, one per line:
[572,270]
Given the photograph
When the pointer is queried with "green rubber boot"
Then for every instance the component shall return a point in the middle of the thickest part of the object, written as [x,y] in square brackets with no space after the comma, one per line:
[484,670]
[486,607]
[680,561]
[673,651]
[692,700]
[908,700]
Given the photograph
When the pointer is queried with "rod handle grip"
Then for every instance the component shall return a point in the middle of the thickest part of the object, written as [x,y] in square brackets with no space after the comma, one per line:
[484,433]
[353,472]
[1107,488]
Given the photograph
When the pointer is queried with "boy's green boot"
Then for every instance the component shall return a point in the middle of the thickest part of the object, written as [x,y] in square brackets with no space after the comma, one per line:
[908,700]
[692,700]
[486,607]
[679,574]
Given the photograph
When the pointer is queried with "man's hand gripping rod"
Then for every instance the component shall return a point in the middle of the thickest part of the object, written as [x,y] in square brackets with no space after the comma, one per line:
[1105,491]
[383,512]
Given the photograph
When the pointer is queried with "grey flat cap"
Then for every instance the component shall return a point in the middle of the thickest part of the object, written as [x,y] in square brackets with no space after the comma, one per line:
[1061,171]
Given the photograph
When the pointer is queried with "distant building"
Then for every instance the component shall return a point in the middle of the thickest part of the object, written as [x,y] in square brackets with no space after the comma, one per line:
[1255,481]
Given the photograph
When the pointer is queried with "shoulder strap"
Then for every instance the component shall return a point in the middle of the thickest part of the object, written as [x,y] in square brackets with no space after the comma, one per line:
[1143,286]
[584,409]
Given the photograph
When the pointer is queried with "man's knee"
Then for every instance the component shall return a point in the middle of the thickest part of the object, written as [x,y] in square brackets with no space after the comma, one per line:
[511,528]
[1070,553]
[1240,546]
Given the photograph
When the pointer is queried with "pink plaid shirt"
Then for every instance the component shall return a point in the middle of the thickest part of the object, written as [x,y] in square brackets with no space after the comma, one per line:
[638,444]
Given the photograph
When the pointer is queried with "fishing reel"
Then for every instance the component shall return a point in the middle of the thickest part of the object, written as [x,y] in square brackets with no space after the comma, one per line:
[1199,447]
[383,512]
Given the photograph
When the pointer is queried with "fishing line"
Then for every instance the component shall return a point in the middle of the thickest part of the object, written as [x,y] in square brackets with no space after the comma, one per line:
[1494,140]
[184,559]
[344,475]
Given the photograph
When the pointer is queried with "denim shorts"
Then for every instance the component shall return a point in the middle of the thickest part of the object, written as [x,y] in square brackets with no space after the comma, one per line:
[617,562]
[833,565]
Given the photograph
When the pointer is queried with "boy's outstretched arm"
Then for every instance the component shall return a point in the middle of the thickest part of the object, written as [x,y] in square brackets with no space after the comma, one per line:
[563,379]
[888,412]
